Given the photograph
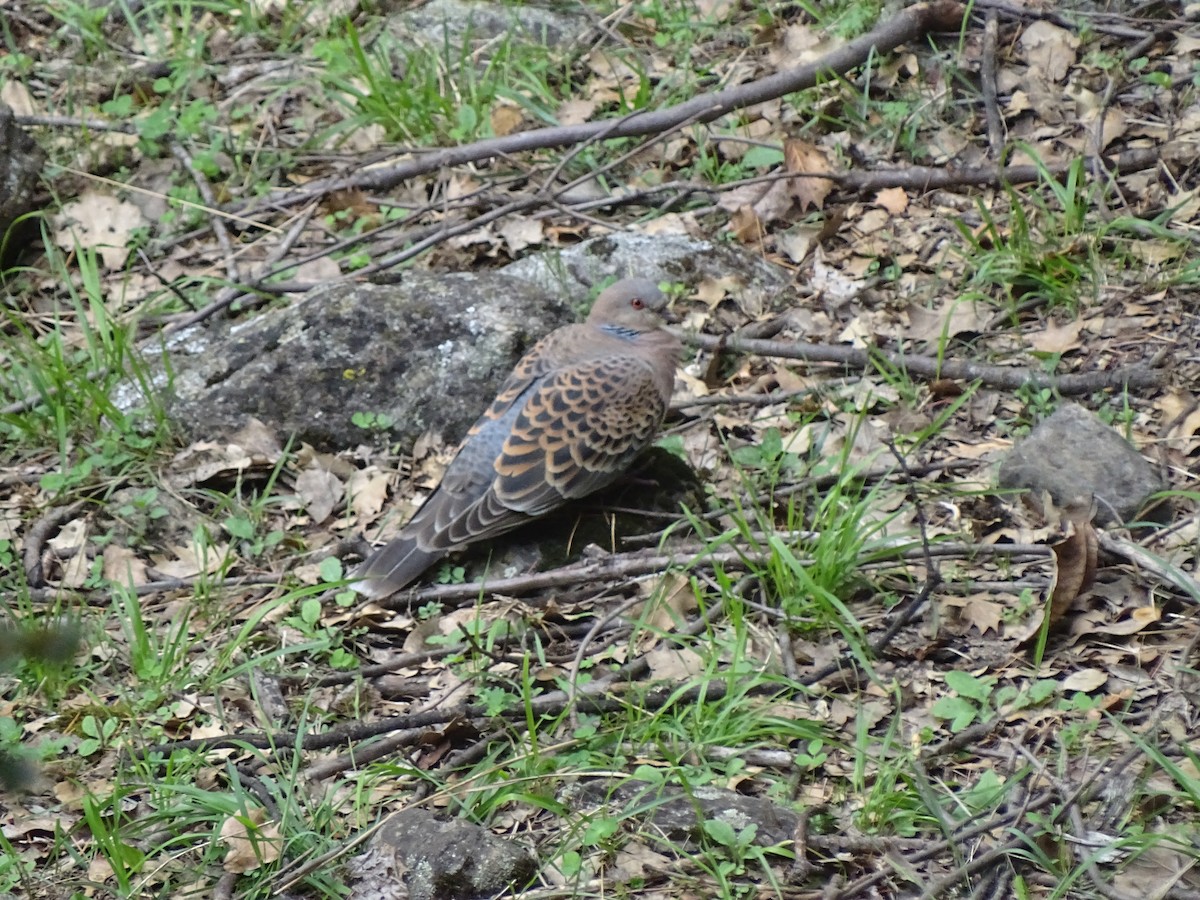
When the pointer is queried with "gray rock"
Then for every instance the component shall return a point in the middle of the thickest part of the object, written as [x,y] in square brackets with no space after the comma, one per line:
[429,353]
[442,24]
[442,860]
[21,161]
[680,815]
[1072,455]
[658,257]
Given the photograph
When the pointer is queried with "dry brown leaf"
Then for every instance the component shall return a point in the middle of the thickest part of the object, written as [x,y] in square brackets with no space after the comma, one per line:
[318,271]
[1018,103]
[506,118]
[636,861]
[368,490]
[1075,564]
[16,97]
[1115,125]
[71,538]
[1048,49]
[576,112]
[673,223]
[674,664]
[711,291]
[1156,253]
[520,232]
[320,491]
[800,43]
[99,870]
[871,221]
[893,199]
[985,614]
[1155,870]
[256,438]
[801,158]
[955,316]
[252,841]
[1137,620]
[253,446]
[101,222]
[746,226]
[191,561]
[609,69]
[676,601]
[1086,680]
[798,241]
[1184,436]
[123,566]
[1058,338]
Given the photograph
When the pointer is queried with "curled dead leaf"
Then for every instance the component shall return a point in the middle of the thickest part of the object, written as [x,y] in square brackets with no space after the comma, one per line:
[1075,565]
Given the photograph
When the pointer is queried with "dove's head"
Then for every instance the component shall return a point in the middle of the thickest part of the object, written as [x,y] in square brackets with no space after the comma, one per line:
[632,304]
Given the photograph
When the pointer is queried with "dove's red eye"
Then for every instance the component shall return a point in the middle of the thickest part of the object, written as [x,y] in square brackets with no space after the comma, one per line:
[637,303]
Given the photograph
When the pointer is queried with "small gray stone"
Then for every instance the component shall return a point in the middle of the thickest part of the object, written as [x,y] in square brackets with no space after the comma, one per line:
[442,25]
[1073,455]
[448,860]
[680,815]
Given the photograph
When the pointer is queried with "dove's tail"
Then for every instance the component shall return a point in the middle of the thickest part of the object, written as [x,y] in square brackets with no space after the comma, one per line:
[393,567]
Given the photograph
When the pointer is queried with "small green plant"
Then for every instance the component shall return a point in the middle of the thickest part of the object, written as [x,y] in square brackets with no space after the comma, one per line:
[443,96]
[736,854]
[158,652]
[307,620]
[107,821]
[98,733]
[1039,403]
[977,698]
[1046,253]
[252,543]
[449,573]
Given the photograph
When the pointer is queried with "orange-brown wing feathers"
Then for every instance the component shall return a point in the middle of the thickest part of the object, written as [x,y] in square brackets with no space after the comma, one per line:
[577,432]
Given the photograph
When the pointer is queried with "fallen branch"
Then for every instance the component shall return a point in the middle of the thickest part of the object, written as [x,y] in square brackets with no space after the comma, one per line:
[908,25]
[1003,377]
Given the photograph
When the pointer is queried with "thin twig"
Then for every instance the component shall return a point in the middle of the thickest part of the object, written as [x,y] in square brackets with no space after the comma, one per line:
[987,79]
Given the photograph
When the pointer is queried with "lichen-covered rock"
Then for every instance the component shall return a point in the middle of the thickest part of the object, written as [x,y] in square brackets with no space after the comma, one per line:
[660,258]
[442,24]
[428,354]
[442,859]
[21,161]
[679,814]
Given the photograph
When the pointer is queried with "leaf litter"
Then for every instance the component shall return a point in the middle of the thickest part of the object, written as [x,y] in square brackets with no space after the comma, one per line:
[878,269]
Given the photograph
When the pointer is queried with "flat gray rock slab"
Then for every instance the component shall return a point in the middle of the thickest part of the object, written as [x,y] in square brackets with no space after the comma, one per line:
[428,353]
[674,258]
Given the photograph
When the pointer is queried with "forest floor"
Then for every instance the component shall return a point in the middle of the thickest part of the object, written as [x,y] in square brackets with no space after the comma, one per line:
[984,217]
